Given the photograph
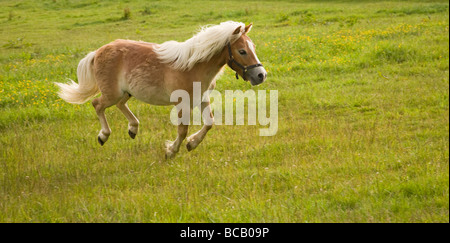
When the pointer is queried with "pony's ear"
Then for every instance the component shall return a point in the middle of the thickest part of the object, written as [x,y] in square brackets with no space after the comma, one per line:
[248,28]
[237,30]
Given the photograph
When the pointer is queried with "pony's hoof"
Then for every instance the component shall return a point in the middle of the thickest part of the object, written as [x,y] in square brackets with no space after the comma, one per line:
[132,134]
[169,155]
[189,147]
[100,141]
[192,143]
[168,149]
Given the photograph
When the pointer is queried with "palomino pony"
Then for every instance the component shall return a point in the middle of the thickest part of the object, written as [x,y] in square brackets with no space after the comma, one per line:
[151,72]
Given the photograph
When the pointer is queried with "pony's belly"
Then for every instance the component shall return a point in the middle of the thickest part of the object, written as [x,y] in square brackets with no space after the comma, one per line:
[151,95]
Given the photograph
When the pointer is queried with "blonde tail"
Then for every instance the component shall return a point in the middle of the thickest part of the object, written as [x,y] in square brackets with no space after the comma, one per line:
[87,85]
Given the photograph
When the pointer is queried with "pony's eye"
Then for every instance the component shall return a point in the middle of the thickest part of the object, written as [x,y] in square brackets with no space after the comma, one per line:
[242,52]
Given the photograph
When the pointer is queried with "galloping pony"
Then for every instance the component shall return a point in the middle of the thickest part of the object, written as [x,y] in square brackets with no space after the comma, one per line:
[151,72]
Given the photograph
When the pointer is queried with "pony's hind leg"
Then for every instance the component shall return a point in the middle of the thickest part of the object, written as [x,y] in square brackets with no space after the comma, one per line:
[133,122]
[100,104]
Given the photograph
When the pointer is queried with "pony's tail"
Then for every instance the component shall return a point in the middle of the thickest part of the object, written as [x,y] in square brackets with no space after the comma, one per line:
[87,85]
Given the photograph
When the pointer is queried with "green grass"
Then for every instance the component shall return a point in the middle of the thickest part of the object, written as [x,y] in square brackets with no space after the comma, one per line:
[363,117]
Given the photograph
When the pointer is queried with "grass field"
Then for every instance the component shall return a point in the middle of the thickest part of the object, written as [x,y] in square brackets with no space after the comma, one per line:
[363,126]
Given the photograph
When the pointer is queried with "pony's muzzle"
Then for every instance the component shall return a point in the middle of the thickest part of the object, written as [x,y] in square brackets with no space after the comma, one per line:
[257,75]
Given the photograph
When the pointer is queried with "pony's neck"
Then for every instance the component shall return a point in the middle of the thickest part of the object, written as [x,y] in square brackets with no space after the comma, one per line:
[207,71]
[219,60]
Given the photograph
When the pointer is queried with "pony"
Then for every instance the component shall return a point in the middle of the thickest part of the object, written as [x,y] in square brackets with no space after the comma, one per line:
[150,72]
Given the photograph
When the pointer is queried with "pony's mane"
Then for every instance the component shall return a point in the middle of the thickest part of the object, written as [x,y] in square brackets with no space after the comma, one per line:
[201,47]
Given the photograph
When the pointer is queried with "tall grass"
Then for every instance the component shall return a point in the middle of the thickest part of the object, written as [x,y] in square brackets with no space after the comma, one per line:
[363,117]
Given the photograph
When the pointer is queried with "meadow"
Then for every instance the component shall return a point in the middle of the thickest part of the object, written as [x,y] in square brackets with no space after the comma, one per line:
[363,117]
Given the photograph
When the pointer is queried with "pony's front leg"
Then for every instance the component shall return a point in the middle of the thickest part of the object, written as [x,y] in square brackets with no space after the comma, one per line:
[208,119]
[173,147]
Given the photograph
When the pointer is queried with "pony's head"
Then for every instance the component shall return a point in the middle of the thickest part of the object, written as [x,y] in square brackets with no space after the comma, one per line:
[242,57]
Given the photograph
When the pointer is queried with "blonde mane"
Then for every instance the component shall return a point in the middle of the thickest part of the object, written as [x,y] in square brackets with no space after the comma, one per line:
[201,47]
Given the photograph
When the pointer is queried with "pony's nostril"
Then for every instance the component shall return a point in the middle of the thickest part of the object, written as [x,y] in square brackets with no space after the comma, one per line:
[261,76]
